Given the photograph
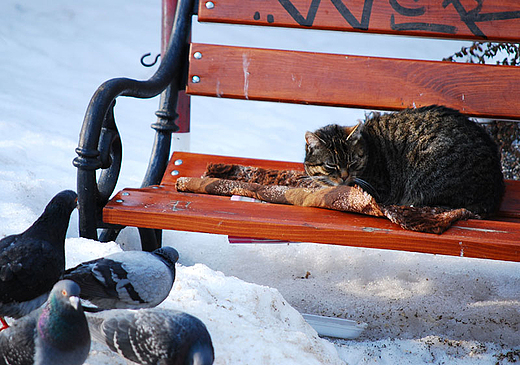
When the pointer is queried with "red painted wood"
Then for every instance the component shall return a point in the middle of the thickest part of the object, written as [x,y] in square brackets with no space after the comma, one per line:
[167,15]
[165,208]
[353,81]
[497,20]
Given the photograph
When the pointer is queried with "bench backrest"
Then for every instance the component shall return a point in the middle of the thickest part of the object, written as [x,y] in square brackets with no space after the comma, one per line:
[487,91]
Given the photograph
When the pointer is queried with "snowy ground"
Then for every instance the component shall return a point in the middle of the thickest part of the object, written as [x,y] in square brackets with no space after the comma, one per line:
[420,309]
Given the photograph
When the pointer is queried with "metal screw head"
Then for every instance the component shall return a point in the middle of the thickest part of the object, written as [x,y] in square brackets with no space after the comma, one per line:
[197,55]
[125,194]
[175,173]
[178,162]
[210,4]
[195,79]
[119,200]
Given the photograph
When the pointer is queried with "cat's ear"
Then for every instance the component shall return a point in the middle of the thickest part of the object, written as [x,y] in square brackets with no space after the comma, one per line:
[312,139]
[351,131]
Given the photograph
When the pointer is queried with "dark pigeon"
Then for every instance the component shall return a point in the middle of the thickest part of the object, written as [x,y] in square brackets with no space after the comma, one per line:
[154,336]
[56,334]
[129,279]
[33,261]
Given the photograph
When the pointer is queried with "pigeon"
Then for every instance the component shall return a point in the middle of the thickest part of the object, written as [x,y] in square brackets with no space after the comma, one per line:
[129,279]
[33,261]
[56,334]
[154,336]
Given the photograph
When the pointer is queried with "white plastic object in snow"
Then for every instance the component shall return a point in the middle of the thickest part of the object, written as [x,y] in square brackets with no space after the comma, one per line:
[335,327]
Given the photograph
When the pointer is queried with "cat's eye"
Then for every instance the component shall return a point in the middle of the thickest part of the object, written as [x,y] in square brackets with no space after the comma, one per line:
[330,167]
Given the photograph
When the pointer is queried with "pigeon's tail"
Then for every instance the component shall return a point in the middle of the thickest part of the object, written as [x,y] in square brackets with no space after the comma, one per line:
[93,309]
[94,326]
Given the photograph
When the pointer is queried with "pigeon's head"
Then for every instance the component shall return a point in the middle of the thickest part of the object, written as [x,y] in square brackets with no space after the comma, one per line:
[169,255]
[65,201]
[62,326]
[53,223]
[59,208]
[65,295]
[62,309]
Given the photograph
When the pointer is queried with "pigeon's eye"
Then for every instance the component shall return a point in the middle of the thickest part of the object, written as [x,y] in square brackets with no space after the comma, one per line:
[64,292]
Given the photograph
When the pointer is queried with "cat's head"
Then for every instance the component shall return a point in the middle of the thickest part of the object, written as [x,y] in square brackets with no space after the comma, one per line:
[335,155]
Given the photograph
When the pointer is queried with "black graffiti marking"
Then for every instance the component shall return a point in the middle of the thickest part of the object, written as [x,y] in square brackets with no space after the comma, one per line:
[473,16]
[297,16]
[428,27]
[350,18]
[270,17]
[407,11]
[470,18]
[505,15]
[342,9]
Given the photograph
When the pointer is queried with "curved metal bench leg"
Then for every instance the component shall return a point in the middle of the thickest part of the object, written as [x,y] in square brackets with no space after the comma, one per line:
[99,126]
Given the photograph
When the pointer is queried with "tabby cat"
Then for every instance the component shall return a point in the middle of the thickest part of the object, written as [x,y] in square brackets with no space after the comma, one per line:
[430,156]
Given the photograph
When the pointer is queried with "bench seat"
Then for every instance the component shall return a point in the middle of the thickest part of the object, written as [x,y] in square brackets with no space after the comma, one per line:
[164,207]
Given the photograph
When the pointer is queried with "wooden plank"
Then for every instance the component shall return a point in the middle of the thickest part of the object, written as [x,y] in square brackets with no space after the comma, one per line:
[163,207]
[167,209]
[486,91]
[497,20]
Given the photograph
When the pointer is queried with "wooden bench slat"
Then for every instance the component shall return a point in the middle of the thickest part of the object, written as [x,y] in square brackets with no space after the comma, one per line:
[497,20]
[354,81]
[165,208]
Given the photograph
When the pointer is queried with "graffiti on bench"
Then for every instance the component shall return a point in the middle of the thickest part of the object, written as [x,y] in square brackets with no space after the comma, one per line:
[470,17]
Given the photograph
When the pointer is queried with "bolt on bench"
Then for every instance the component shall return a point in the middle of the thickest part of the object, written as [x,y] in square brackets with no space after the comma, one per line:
[336,80]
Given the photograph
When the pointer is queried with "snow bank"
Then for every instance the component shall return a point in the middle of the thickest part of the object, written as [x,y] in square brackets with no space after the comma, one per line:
[248,323]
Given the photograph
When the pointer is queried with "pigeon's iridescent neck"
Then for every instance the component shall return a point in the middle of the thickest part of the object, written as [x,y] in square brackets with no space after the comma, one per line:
[56,322]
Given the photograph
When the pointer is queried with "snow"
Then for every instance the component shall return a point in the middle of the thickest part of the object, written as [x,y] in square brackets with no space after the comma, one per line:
[420,309]
[237,314]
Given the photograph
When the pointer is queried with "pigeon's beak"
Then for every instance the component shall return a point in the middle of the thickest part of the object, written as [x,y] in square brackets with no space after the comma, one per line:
[74,301]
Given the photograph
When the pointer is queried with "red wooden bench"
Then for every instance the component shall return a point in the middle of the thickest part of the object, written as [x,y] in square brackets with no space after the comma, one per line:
[336,80]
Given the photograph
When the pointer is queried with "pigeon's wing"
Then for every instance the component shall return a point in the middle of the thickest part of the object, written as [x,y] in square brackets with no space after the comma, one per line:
[7,241]
[137,337]
[28,268]
[17,342]
[95,278]
[106,283]
[7,266]
[124,337]
[149,335]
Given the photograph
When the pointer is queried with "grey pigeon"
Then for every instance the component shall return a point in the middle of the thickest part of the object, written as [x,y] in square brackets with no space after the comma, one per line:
[129,279]
[56,334]
[154,336]
[33,261]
